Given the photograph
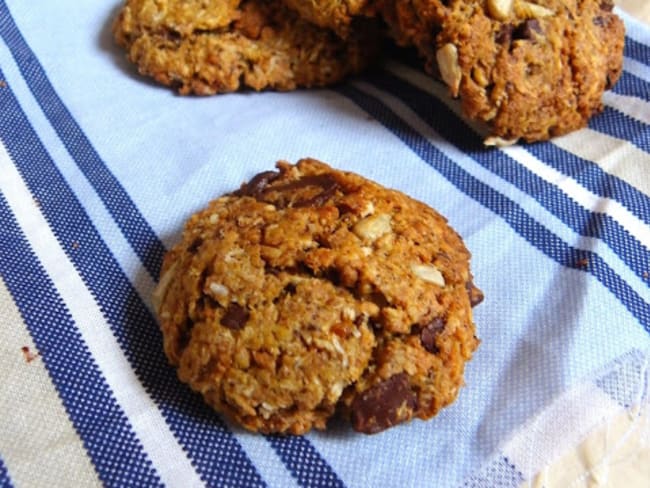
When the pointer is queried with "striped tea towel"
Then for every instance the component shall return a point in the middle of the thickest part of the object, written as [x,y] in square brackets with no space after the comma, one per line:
[99,169]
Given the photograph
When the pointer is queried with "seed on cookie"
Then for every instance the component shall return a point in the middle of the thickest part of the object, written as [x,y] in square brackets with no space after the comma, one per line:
[447,57]
[500,9]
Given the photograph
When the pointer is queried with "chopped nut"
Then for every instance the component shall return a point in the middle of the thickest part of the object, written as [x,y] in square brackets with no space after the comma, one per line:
[214,218]
[499,141]
[335,390]
[532,10]
[447,58]
[499,9]
[373,227]
[479,76]
[349,313]
[428,273]
[163,285]
[218,290]
[232,255]
[369,209]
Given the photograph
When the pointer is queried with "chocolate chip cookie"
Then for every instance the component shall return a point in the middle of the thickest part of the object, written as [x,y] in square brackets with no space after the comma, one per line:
[215,46]
[311,290]
[527,69]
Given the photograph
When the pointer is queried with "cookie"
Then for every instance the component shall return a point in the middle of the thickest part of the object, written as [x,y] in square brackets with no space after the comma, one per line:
[527,69]
[310,291]
[216,46]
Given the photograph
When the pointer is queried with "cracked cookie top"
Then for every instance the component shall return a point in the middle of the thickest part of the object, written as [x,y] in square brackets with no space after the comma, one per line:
[311,289]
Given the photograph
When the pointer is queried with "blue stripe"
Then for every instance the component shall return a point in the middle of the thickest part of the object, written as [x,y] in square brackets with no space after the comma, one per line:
[304,462]
[622,126]
[215,452]
[103,427]
[636,50]
[632,86]
[135,228]
[536,234]
[583,222]
[5,480]
[592,177]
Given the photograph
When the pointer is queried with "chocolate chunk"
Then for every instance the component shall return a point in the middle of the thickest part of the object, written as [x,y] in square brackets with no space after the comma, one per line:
[172,35]
[256,186]
[194,246]
[319,199]
[475,295]
[527,30]
[429,334]
[607,5]
[602,20]
[504,35]
[383,405]
[235,317]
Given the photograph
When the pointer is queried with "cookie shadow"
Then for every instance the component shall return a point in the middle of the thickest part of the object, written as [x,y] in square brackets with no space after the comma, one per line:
[536,374]
[109,46]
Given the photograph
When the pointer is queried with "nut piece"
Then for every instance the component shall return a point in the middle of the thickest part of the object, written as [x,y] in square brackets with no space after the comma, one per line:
[531,10]
[447,58]
[428,272]
[217,290]
[163,285]
[499,141]
[373,227]
[499,9]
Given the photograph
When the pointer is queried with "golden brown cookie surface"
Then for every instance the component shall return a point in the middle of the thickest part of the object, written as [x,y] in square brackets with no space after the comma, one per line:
[529,69]
[333,14]
[216,46]
[310,289]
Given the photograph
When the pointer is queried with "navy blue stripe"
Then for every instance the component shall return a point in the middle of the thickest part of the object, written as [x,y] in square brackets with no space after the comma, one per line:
[5,480]
[531,230]
[636,50]
[304,462]
[592,177]
[115,451]
[215,452]
[622,126]
[633,86]
[591,224]
[135,228]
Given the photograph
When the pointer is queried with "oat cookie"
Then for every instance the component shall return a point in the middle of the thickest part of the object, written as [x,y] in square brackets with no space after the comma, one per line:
[215,46]
[529,69]
[311,290]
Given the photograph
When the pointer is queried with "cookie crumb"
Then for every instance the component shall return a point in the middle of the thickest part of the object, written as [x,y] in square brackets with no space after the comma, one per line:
[28,354]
